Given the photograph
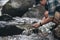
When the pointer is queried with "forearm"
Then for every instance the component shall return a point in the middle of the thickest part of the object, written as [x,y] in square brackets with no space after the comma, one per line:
[46,21]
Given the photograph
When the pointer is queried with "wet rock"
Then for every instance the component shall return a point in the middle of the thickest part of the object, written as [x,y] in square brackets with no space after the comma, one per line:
[57,32]
[6,18]
[8,29]
[17,7]
[37,11]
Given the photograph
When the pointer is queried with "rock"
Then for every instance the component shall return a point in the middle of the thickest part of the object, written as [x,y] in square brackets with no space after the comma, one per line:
[57,32]
[35,12]
[5,18]
[17,7]
[7,29]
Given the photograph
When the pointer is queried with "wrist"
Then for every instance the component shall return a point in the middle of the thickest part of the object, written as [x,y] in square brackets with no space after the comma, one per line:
[40,24]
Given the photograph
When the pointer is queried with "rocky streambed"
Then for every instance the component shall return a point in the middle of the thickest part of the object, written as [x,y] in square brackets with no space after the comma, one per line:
[23,30]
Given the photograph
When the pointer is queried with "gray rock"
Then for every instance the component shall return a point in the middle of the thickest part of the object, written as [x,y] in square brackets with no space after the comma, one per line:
[17,7]
[35,12]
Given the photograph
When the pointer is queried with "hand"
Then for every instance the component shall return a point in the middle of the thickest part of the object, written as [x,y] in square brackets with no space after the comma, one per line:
[36,25]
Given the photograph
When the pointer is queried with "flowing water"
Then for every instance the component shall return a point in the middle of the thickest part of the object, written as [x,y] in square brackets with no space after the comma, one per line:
[28,33]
